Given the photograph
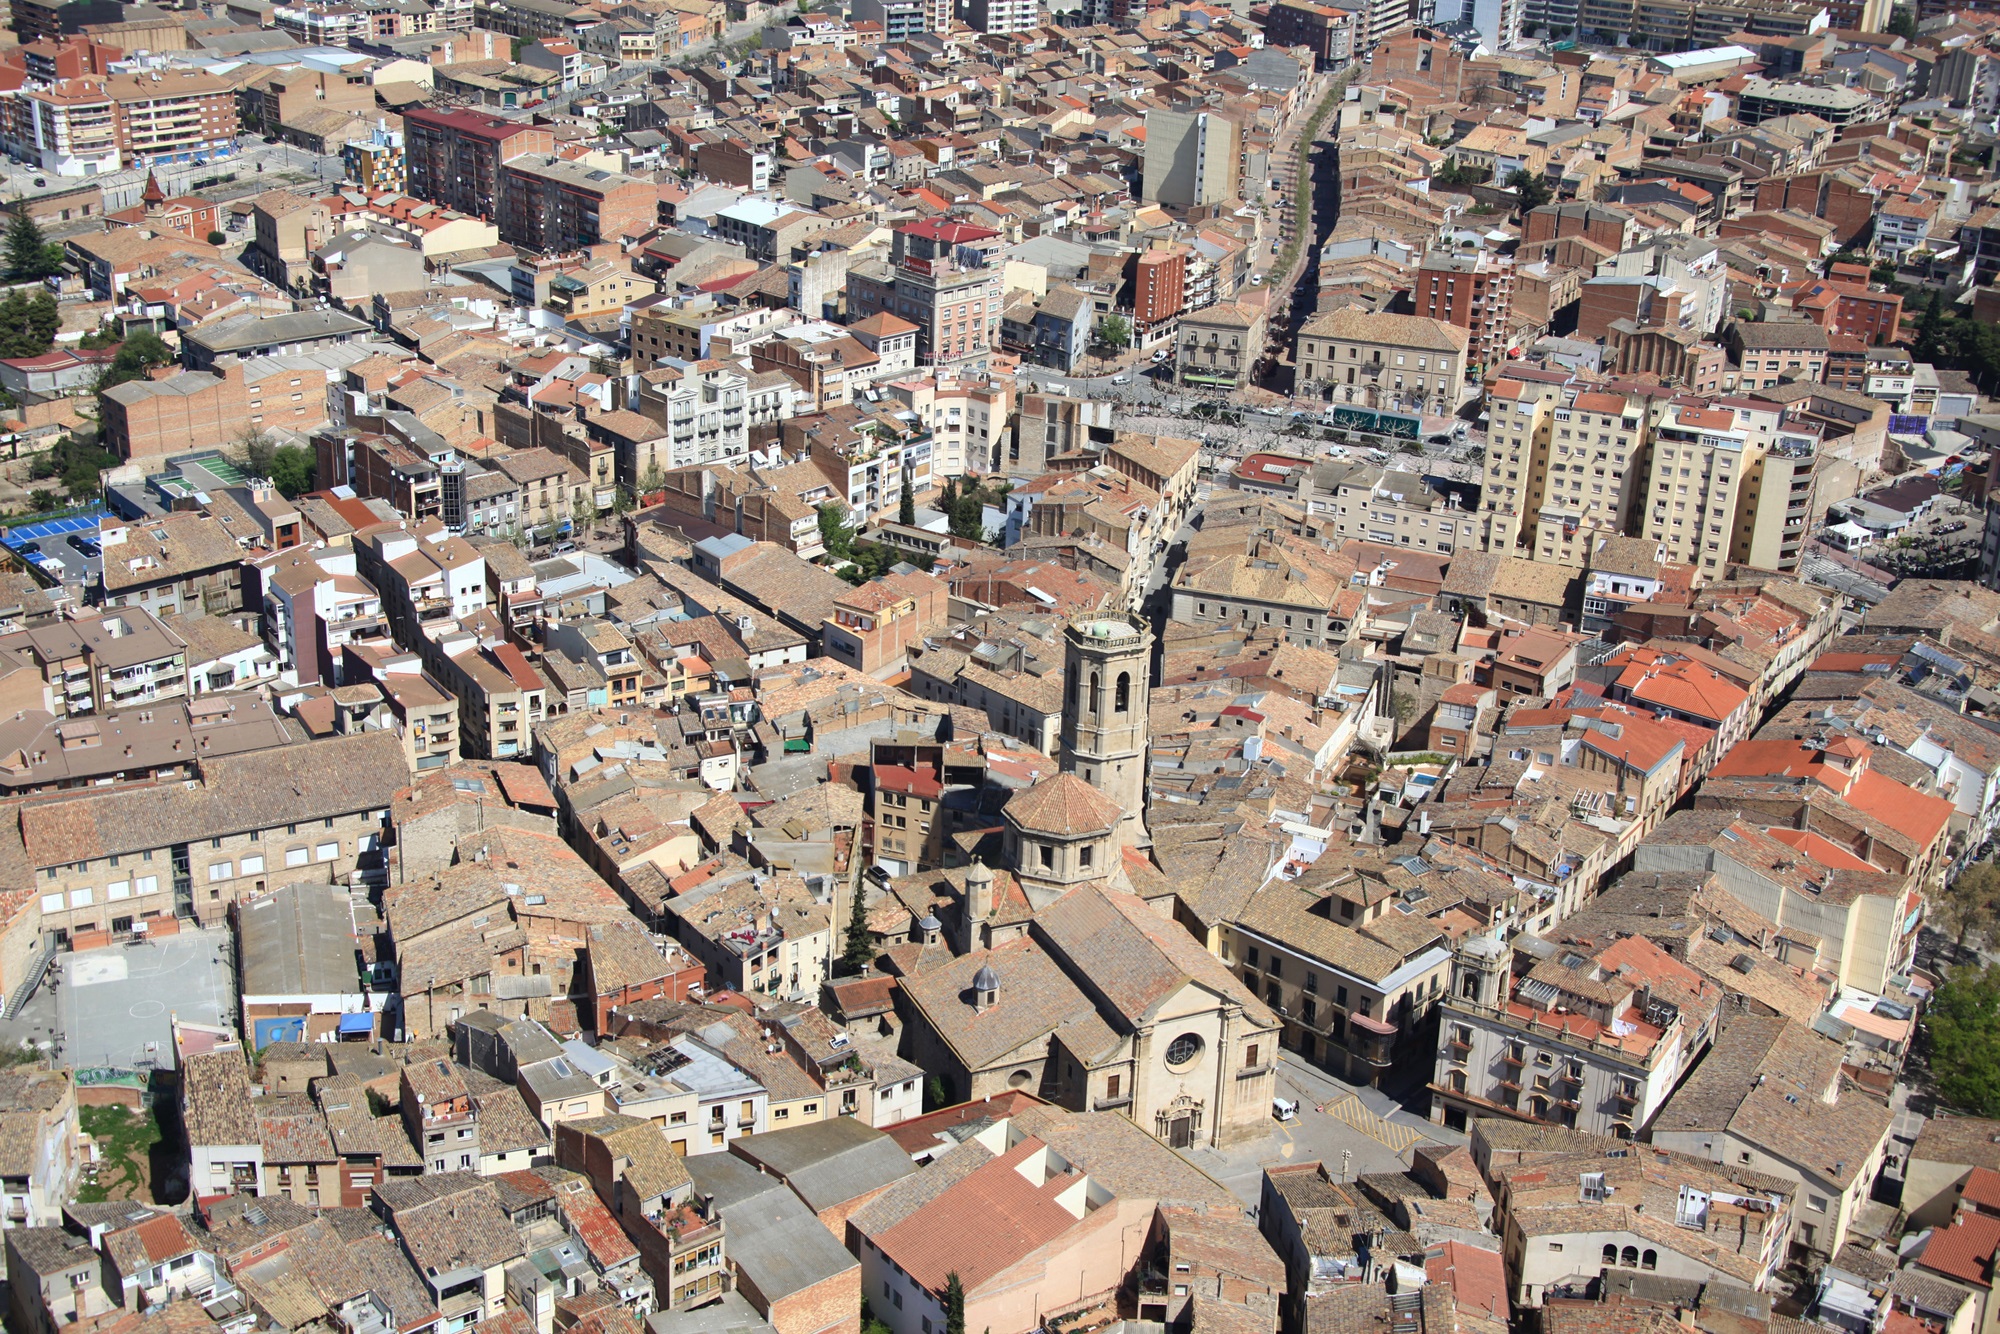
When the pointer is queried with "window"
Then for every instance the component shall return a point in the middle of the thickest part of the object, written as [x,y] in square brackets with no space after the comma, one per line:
[1123,694]
[297,856]
[118,889]
[1818,1203]
[1250,1054]
[219,871]
[1048,857]
[326,852]
[1184,1050]
[1084,855]
[253,866]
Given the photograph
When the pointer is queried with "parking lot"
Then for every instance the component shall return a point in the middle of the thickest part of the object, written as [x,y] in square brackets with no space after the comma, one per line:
[115,1006]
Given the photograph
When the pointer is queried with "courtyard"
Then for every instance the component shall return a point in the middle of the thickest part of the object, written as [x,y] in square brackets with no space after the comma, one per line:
[115,1007]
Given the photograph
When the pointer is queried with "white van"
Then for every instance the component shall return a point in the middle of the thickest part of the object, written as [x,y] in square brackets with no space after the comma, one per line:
[1285,1109]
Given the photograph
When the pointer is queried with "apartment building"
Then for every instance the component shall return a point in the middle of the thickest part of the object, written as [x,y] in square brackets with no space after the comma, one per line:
[1193,158]
[1521,414]
[1593,472]
[1403,362]
[1327,32]
[1768,352]
[1590,1039]
[90,125]
[109,660]
[700,411]
[454,157]
[1474,292]
[551,204]
[939,279]
[1159,291]
[304,812]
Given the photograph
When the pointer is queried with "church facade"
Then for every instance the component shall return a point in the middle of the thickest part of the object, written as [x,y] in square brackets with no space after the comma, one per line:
[1094,998]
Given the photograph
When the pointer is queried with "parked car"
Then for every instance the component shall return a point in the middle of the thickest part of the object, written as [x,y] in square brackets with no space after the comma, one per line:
[1121,379]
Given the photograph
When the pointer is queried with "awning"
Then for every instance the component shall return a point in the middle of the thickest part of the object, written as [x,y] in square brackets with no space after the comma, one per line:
[357,1023]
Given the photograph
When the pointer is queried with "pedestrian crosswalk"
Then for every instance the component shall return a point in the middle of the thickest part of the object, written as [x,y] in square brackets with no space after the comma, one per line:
[1355,1113]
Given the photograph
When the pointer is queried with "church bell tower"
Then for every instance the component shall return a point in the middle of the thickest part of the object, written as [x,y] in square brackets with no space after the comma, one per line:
[1107,670]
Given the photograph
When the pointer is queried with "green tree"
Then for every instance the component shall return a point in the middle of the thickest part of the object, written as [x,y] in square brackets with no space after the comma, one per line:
[906,505]
[78,466]
[859,949]
[954,1304]
[137,355]
[1963,1022]
[1930,329]
[1455,174]
[254,450]
[28,323]
[292,470]
[622,502]
[1903,24]
[583,512]
[1114,332]
[1531,190]
[834,534]
[30,254]
[218,238]
[652,479]
[1969,901]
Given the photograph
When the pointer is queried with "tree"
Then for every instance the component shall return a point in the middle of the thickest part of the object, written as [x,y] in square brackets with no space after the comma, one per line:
[1456,173]
[292,470]
[858,950]
[255,448]
[1903,24]
[78,466]
[28,323]
[1969,901]
[834,534]
[652,479]
[954,1304]
[906,506]
[1114,332]
[583,511]
[137,355]
[622,502]
[30,255]
[1930,329]
[1963,1023]
[1531,190]
[218,238]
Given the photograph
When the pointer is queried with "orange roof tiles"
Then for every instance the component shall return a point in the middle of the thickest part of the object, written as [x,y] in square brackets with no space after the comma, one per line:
[988,1221]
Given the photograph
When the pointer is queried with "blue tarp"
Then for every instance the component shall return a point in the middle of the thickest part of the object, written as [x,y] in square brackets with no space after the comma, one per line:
[357,1023]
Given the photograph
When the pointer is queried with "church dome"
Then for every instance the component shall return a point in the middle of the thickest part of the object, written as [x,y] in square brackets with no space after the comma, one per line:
[929,922]
[986,979]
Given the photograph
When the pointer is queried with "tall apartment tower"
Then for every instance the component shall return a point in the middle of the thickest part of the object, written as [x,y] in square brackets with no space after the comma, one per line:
[1193,158]
[1107,670]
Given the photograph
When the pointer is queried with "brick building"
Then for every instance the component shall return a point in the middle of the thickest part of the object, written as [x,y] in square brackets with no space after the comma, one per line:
[454,157]
[549,204]
[1474,292]
[1159,291]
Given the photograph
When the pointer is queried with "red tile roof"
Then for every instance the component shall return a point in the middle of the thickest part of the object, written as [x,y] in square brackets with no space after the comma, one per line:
[1982,1188]
[1478,1278]
[1964,1250]
[978,1228]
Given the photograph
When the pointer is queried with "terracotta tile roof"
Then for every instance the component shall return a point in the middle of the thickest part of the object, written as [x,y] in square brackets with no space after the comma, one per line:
[1982,1187]
[1964,1251]
[991,1220]
[1064,805]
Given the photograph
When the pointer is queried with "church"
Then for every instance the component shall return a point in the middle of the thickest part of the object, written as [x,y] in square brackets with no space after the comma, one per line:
[1063,974]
